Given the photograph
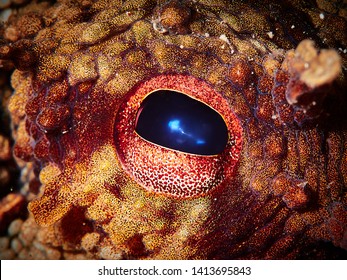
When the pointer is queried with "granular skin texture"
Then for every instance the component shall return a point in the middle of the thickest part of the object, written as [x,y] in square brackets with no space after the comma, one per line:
[281,69]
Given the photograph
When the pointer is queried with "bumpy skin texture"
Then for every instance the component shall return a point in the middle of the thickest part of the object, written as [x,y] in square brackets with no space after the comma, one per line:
[76,64]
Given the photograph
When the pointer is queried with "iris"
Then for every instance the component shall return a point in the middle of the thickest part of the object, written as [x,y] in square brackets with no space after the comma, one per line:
[174,120]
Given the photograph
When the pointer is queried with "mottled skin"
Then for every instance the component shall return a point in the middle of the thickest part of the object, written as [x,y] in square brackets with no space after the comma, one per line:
[75,64]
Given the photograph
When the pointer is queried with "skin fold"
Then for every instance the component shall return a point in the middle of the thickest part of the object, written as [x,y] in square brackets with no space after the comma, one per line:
[90,188]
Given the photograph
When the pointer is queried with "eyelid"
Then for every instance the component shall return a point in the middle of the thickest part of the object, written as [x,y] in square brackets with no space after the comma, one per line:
[170,172]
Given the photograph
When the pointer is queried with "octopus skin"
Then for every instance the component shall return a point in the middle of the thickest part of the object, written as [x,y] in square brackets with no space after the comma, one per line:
[94,189]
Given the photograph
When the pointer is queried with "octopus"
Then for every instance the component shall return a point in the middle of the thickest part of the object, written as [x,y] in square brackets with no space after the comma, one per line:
[106,166]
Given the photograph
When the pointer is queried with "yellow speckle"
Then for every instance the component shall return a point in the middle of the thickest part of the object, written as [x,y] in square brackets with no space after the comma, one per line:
[49,173]
[82,68]
[95,32]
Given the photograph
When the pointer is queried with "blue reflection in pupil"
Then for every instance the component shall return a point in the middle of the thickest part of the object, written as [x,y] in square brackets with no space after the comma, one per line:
[174,120]
[175,127]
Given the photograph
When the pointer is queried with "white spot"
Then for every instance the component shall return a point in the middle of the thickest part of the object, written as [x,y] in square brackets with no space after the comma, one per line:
[274,117]
[302,184]
[306,65]
[270,34]
[321,16]
[207,34]
[181,46]
[157,26]
[314,103]
[222,47]
[224,38]
[330,184]
[293,26]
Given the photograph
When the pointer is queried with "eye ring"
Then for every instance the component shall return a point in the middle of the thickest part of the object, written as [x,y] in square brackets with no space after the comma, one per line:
[167,171]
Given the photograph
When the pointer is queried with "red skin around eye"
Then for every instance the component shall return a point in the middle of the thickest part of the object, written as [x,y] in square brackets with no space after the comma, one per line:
[169,172]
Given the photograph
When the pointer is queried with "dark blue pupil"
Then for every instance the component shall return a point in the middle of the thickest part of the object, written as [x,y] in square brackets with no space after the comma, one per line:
[174,120]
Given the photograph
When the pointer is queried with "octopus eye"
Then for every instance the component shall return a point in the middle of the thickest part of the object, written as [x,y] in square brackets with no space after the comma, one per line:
[176,136]
[174,120]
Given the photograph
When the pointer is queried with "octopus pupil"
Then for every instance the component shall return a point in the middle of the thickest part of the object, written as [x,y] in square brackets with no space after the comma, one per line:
[174,120]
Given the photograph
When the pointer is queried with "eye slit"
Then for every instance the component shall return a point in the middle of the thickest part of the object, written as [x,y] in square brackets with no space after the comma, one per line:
[176,121]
